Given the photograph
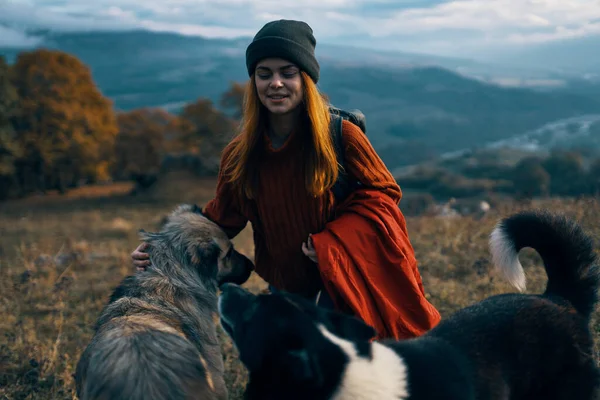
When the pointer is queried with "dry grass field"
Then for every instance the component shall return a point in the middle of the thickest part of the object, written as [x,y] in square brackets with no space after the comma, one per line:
[60,258]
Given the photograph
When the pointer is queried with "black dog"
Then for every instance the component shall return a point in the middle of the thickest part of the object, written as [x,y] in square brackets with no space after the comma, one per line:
[507,347]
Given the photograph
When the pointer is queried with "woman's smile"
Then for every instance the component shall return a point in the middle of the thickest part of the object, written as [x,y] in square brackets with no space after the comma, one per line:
[277,98]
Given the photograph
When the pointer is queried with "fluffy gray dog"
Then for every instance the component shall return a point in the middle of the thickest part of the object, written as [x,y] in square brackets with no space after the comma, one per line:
[156,338]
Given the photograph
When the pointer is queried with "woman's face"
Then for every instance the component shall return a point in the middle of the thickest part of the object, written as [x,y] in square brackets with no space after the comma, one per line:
[279,85]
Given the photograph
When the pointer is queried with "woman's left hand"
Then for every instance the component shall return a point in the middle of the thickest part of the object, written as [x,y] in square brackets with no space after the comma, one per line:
[309,250]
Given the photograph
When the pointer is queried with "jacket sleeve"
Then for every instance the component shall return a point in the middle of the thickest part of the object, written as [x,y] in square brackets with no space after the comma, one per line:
[225,209]
[364,164]
[369,269]
[367,263]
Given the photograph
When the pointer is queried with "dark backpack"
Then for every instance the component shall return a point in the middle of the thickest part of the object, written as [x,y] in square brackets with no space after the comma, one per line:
[345,184]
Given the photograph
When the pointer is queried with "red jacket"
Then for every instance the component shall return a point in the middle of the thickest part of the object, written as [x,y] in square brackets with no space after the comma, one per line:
[369,268]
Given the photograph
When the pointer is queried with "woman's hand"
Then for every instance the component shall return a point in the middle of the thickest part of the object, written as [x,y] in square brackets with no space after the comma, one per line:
[309,250]
[140,259]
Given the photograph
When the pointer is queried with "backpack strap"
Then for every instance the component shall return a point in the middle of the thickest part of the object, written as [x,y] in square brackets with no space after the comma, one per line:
[338,139]
[344,185]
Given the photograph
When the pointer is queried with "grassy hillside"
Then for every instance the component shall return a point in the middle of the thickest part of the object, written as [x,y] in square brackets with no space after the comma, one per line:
[60,258]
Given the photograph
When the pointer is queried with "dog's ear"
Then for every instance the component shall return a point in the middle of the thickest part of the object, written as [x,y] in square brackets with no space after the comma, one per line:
[205,256]
[349,327]
[211,251]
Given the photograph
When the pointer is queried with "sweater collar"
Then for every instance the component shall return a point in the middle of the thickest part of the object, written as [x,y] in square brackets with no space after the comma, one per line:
[289,142]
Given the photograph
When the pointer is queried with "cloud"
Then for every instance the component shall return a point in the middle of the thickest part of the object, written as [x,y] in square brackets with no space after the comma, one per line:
[24,15]
[472,27]
[559,33]
[14,38]
[463,24]
[423,25]
[493,18]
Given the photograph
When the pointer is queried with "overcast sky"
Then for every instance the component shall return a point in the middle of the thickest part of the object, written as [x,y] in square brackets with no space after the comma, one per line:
[452,27]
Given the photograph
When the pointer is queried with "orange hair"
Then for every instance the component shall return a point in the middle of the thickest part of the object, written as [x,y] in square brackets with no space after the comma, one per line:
[321,161]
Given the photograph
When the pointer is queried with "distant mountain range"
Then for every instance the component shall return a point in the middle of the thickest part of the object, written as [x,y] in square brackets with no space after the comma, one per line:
[574,56]
[417,106]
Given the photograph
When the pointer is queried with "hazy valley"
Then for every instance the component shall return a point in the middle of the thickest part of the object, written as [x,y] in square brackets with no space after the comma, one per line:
[418,107]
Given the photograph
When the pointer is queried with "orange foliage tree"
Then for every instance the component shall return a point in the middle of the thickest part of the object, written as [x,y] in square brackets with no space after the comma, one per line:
[233,99]
[145,135]
[8,105]
[207,130]
[65,125]
[9,146]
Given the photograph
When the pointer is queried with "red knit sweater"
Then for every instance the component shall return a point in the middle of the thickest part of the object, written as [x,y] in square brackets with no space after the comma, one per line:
[283,213]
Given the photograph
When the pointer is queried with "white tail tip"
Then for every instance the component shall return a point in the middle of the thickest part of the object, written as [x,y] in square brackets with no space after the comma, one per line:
[506,259]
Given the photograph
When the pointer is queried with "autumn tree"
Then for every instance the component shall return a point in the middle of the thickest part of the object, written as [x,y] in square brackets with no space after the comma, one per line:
[233,100]
[206,129]
[65,125]
[9,146]
[141,144]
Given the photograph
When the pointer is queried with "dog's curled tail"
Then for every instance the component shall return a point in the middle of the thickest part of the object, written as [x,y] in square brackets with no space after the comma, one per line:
[566,250]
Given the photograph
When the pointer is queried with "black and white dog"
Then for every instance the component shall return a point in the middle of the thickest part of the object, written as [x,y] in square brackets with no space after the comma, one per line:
[506,347]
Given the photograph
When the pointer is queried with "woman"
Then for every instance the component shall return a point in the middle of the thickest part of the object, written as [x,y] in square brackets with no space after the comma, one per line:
[277,174]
